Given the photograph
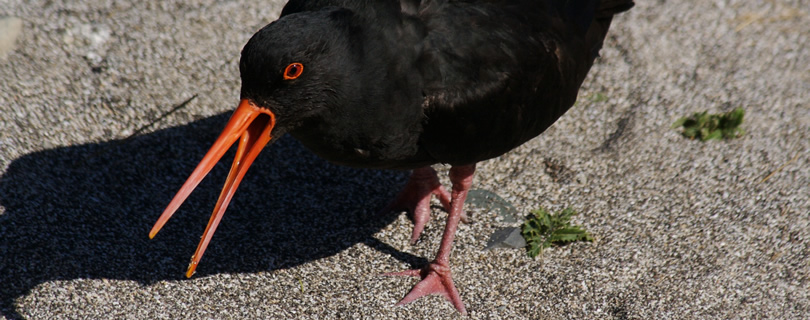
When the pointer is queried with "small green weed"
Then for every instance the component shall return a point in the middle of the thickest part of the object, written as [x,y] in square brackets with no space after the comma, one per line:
[705,126]
[543,229]
[599,97]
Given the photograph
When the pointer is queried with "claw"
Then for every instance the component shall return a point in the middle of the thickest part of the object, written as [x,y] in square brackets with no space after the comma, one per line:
[436,279]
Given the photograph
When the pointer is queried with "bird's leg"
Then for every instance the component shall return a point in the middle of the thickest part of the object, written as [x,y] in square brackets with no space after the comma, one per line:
[415,197]
[436,277]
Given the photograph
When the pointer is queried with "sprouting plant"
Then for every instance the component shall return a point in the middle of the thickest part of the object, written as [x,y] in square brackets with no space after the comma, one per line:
[542,229]
[705,126]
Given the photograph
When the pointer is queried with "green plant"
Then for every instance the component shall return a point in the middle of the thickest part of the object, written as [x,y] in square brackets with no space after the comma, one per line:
[599,97]
[542,229]
[705,126]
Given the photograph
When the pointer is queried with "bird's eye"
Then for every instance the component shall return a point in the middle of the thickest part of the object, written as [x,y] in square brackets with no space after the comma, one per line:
[293,71]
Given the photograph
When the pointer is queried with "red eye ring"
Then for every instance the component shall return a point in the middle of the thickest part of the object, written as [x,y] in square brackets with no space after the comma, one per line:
[293,71]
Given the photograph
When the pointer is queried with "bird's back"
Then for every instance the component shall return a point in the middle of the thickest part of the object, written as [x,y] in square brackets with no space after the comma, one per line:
[504,72]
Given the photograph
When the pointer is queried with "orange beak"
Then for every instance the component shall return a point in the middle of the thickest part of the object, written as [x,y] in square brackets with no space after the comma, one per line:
[252,128]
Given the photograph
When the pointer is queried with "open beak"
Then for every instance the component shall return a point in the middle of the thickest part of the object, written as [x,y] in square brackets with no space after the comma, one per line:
[251,125]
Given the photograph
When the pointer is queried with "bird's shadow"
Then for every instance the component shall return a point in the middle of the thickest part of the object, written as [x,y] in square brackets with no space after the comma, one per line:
[85,211]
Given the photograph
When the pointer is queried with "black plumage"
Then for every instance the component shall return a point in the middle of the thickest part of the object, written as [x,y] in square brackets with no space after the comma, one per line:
[407,84]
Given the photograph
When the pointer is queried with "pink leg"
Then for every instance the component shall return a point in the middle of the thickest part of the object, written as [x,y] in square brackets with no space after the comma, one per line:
[415,197]
[436,277]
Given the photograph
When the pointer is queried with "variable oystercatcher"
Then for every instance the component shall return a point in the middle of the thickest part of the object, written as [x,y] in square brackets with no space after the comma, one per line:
[404,85]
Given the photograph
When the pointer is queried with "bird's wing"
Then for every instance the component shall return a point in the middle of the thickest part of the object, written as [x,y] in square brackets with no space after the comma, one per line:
[474,49]
[497,73]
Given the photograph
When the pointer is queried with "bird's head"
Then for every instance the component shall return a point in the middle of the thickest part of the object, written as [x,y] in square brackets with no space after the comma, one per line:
[291,71]
[299,64]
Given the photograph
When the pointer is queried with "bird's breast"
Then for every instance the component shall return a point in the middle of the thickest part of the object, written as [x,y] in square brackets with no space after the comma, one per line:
[383,149]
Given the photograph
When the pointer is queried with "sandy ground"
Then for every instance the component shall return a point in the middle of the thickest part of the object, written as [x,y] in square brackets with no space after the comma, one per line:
[684,229]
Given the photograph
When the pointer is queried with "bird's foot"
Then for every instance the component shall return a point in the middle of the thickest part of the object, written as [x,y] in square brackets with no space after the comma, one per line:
[436,279]
[415,198]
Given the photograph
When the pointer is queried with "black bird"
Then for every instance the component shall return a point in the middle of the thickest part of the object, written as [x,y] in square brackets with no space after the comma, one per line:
[404,85]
